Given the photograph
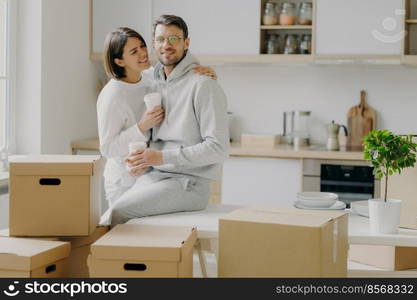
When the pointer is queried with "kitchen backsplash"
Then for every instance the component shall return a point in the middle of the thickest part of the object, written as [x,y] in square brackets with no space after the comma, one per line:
[258,95]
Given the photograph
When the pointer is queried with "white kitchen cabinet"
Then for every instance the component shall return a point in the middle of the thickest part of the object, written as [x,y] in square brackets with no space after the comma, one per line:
[260,181]
[217,26]
[359,27]
[107,15]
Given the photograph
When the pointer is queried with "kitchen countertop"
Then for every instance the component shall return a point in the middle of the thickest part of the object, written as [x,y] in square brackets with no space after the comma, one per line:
[236,150]
[287,151]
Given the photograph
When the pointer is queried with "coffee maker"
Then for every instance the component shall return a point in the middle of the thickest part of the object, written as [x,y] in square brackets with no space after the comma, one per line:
[333,139]
[295,126]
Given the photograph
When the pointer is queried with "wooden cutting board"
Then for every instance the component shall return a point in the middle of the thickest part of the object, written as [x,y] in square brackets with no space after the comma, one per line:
[361,120]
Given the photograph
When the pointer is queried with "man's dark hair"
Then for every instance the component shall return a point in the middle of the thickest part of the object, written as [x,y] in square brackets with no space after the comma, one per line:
[172,20]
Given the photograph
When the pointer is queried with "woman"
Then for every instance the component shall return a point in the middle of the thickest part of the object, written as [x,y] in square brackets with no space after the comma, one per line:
[121,112]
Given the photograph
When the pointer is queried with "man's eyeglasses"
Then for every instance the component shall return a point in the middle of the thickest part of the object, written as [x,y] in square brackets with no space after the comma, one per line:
[172,39]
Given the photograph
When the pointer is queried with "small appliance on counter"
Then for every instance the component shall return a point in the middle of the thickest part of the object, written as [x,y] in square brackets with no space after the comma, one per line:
[333,139]
[296,124]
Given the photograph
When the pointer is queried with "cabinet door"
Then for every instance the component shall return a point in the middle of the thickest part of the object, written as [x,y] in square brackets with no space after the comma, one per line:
[216,26]
[260,181]
[107,15]
[359,27]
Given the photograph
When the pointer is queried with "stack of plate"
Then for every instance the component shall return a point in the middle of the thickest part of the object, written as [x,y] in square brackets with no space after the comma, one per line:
[318,200]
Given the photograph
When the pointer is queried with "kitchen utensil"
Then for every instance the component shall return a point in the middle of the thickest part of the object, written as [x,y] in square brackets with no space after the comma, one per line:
[360,207]
[316,199]
[333,139]
[339,205]
[296,124]
[316,195]
[361,120]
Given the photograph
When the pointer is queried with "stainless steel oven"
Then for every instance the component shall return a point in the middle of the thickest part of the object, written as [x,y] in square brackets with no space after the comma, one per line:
[351,180]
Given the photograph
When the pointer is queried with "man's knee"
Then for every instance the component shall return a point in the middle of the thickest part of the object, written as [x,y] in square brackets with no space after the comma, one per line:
[118,216]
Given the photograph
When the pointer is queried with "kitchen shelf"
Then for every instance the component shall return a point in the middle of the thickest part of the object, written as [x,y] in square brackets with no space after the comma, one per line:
[410,40]
[216,60]
[286,29]
[289,27]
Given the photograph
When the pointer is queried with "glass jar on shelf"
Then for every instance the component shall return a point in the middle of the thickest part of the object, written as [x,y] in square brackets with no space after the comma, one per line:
[270,16]
[305,15]
[272,45]
[288,13]
[291,44]
[305,44]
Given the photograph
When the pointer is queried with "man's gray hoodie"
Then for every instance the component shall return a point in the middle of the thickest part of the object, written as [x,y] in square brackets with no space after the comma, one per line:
[194,136]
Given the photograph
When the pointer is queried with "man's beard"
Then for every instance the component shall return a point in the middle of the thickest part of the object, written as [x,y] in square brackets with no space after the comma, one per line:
[173,63]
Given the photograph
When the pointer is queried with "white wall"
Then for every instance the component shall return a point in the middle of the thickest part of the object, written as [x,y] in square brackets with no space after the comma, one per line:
[258,95]
[69,80]
[28,76]
[57,81]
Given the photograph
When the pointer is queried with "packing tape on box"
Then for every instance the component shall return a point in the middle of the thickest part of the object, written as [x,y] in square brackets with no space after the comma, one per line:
[335,239]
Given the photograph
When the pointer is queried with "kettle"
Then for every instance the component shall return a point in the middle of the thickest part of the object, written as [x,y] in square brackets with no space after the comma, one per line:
[333,139]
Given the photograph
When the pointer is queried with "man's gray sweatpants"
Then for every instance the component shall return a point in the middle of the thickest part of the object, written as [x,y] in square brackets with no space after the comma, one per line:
[156,193]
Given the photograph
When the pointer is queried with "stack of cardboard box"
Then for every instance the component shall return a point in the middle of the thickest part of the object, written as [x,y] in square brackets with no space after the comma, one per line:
[54,213]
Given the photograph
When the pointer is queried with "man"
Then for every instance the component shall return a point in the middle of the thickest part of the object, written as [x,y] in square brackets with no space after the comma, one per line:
[186,151]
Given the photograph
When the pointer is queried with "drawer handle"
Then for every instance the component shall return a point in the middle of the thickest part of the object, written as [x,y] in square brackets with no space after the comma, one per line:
[50,269]
[49,181]
[134,267]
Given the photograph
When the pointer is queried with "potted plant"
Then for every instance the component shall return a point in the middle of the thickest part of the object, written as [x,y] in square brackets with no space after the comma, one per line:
[388,154]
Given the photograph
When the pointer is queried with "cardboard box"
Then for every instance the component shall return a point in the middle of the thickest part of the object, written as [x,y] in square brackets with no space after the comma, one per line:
[80,250]
[130,250]
[55,195]
[33,258]
[386,257]
[259,140]
[274,242]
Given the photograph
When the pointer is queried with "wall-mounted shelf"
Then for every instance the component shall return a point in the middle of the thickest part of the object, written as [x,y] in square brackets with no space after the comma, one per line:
[410,40]
[266,31]
[288,27]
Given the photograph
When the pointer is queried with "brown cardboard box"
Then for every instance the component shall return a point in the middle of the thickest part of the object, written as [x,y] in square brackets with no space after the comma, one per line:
[274,242]
[55,195]
[259,140]
[130,250]
[403,187]
[33,258]
[80,249]
[386,257]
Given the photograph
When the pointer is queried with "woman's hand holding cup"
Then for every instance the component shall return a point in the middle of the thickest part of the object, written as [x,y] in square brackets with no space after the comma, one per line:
[154,112]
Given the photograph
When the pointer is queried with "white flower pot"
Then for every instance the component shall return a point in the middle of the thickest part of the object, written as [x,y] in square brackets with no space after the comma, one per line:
[384,217]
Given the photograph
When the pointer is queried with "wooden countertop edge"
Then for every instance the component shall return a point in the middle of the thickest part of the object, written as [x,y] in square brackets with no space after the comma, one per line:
[236,150]
[284,151]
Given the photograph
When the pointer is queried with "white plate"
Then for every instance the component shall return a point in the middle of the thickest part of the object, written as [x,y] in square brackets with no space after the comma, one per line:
[337,206]
[318,203]
[317,196]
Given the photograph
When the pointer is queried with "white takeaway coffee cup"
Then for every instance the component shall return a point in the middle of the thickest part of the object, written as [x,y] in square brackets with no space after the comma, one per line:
[152,100]
[135,146]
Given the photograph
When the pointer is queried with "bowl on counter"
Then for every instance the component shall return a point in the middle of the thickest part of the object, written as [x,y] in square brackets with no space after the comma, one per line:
[317,199]
[360,207]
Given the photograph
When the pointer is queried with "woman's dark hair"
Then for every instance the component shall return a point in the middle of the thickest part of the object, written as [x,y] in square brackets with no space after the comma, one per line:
[113,48]
[172,20]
